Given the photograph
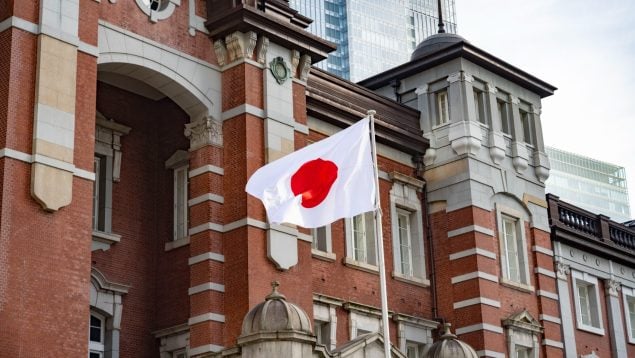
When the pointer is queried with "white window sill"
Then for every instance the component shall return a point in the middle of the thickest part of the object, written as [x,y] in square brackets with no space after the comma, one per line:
[323,255]
[591,329]
[517,285]
[411,279]
[171,245]
[103,240]
[361,265]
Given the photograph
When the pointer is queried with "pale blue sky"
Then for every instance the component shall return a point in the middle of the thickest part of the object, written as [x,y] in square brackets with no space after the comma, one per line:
[585,48]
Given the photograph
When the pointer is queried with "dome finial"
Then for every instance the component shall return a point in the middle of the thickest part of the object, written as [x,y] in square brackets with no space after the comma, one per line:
[441,24]
[447,333]
[274,292]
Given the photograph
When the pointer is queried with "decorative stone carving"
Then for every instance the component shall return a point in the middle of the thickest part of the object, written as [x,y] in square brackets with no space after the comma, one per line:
[542,166]
[221,52]
[279,70]
[612,287]
[305,67]
[520,155]
[460,76]
[108,135]
[240,45]
[562,270]
[295,60]
[491,88]
[261,49]
[421,90]
[204,131]
[497,148]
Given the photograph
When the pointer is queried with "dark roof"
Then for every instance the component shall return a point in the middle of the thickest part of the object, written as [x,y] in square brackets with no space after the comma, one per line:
[341,102]
[442,48]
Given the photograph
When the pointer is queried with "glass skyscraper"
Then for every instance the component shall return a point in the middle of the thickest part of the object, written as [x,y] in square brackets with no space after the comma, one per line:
[373,35]
[591,184]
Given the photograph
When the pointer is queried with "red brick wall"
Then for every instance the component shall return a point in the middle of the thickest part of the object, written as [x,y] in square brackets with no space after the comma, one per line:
[142,215]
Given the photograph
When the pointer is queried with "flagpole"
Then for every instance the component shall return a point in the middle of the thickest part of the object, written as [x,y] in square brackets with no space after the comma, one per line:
[379,241]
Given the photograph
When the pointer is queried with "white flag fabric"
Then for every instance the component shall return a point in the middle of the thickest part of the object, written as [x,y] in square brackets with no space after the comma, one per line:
[318,184]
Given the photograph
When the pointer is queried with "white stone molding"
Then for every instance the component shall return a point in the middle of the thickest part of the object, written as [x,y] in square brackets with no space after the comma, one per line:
[489,87]
[108,135]
[193,84]
[204,131]
[195,22]
[460,76]
[421,90]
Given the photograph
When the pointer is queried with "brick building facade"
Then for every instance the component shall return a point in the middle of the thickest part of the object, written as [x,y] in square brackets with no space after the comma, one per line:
[129,130]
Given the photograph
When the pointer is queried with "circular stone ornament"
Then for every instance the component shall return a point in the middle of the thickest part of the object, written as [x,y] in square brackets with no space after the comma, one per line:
[279,70]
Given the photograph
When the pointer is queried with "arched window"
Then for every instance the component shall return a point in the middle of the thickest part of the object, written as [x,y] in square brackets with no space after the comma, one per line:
[96,335]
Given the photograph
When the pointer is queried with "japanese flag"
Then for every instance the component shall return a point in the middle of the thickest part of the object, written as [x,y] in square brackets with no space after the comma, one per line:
[318,184]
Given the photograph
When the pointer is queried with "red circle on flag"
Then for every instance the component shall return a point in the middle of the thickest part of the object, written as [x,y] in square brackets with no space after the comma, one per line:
[314,180]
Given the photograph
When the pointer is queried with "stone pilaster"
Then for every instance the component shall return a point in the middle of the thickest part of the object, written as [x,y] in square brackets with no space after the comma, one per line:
[566,311]
[615,315]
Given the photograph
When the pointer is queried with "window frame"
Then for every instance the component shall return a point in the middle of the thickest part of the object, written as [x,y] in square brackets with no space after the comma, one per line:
[184,210]
[351,258]
[508,214]
[442,109]
[479,106]
[503,108]
[628,294]
[98,347]
[583,278]
[527,124]
[326,314]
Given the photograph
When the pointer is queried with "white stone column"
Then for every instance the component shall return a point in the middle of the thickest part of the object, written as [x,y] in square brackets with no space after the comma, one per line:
[519,149]
[464,133]
[541,161]
[496,138]
[566,311]
[614,311]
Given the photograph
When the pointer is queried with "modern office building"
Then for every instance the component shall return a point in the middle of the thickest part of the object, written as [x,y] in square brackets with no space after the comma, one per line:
[591,184]
[373,36]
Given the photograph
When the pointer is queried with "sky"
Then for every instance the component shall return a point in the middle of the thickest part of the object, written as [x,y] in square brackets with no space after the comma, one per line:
[586,48]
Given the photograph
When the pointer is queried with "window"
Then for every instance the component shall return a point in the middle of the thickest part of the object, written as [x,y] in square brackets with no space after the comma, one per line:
[407,228]
[513,247]
[178,162]
[325,323]
[323,332]
[362,239]
[527,126]
[179,354]
[503,114]
[522,334]
[523,352]
[587,302]
[405,241]
[321,238]
[414,350]
[180,203]
[511,244]
[629,307]
[443,111]
[479,106]
[96,335]
[99,193]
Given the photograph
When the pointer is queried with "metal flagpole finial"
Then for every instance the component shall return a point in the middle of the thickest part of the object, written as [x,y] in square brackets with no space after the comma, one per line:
[441,24]
[371,112]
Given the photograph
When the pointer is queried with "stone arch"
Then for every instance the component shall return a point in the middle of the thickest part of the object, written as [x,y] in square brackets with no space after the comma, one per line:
[191,83]
[106,299]
[512,201]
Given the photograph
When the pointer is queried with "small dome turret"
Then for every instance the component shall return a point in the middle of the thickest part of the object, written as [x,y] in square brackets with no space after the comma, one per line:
[435,43]
[276,314]
[449,346]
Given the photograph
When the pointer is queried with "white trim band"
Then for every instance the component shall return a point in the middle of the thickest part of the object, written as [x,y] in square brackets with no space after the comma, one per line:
[480,327]
[207,286]
[470,252]
[205,349]
[492,354]
[242,109]
[212,256]
[543,271]
[552,343]
[470,228]
[54,163]
[548,318]
[473,275]
[477,301]
[551,295]
[214,317]
[207,168]
[206,197]
[542,250]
